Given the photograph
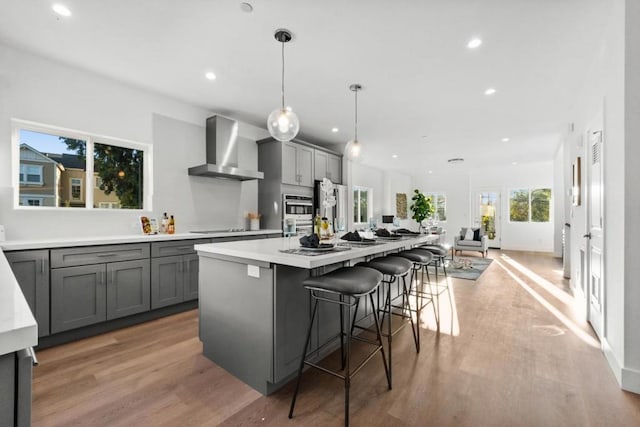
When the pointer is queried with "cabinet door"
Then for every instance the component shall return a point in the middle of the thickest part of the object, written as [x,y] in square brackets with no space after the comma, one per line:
[167,281]
[128,288]
[334,168]
[289,159]
[320,165]
[191,277]
[78,297]
[305,165]
[31,269]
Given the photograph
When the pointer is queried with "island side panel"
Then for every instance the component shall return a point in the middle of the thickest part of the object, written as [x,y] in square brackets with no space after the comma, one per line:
[236,320]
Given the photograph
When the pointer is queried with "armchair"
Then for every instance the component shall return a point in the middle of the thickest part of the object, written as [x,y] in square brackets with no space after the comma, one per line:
[482,246]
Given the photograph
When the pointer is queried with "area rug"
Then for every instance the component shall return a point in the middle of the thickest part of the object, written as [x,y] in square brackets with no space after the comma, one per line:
[469,268]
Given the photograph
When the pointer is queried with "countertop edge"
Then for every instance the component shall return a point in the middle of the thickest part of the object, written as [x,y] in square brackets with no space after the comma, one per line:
[17,245]
[18,327]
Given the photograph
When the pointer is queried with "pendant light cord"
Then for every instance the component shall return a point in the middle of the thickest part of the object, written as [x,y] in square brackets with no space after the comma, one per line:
[282,75]
[356,133]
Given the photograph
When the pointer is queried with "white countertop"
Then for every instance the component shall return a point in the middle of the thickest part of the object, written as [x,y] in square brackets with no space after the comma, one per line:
[18,328]
[268,250]
[15,245]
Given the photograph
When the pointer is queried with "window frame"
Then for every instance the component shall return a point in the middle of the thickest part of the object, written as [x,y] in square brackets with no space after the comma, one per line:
[90,139]
[71,184]
[530,191]
[369,190]
[25,174]
[434,199]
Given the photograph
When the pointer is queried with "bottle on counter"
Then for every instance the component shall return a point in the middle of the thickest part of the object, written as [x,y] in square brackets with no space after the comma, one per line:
[171,228]
[164,223]
[317,224]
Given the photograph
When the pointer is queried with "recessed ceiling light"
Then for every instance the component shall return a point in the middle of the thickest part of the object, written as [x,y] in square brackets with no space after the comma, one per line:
[210,75]
[505,139]
[246,7]
[490,91]
[61,10]
[430,171]
[514,163]
[456,160]
[334,130]
[474,43]
[395,156]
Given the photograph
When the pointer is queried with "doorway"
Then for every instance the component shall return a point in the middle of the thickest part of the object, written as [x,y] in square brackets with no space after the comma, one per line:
[487,207]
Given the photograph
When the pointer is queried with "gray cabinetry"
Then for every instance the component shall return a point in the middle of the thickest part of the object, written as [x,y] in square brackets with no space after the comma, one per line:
[78,297]
[297,164]
[15,389]
[327,165]
[127,288]
[31,269]
[174,272]
[97,283]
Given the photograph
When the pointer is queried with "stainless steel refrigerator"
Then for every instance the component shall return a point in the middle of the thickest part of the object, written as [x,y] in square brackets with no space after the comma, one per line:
[337,214]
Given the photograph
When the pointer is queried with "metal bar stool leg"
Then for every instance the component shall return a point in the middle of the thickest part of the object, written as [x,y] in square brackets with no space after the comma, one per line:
[303,357]
[347,373]
[379,335]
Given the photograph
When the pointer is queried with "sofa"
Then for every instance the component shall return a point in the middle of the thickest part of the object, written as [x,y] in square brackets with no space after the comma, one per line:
[480,244]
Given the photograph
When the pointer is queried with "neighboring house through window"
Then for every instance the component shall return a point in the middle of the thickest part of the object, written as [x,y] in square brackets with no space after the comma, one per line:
[76,188]
[30,174]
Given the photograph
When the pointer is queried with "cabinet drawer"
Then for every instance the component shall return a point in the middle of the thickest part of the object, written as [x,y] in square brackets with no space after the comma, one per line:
[178,247]
[97,254]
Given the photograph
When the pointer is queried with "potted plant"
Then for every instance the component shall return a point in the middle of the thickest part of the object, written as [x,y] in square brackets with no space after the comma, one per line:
[422,207]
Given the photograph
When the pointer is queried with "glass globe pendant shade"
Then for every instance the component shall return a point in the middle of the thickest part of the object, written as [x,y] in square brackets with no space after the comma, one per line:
[353,148]
[283,124]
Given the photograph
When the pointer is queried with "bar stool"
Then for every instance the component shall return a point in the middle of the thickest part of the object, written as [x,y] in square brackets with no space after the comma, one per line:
[420,259]
[393,268]
[350,283]
[439,256]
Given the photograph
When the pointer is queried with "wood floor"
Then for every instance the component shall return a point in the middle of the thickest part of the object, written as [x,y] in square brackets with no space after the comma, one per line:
[518,356]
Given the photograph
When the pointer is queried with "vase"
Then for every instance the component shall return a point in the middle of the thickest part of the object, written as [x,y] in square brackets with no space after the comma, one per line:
[254,224]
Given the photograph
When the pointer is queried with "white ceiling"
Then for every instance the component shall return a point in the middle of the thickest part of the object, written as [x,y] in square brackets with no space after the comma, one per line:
[423,96]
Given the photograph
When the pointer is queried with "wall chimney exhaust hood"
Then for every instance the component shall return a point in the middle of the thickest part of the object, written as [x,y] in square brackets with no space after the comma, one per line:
[222,152]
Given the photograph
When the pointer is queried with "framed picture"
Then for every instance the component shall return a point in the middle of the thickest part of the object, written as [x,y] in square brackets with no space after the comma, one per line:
[576,188]
[401,205]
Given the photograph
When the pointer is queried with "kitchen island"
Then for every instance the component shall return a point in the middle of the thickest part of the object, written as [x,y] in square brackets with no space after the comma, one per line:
[254,312]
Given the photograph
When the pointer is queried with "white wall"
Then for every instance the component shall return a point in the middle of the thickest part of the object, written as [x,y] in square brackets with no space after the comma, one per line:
[36,89]
[459,187]
[530,236]
[456,187]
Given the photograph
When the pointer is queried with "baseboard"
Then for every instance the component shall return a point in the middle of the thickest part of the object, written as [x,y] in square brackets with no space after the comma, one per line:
[630,380]
[612,360]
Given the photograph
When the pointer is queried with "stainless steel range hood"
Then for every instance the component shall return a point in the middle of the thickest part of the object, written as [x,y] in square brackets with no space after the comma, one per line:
[222,152]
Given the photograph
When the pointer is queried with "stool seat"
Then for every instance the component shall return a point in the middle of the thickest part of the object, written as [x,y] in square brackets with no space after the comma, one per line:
[417,255]
[436,250]
[353,281]
[390,265]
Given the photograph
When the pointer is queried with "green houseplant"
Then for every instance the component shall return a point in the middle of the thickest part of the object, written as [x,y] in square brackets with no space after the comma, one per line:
[422,207]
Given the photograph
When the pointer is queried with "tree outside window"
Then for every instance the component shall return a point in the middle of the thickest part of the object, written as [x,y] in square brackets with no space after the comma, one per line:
[439,201]
[530,206]
[519,206]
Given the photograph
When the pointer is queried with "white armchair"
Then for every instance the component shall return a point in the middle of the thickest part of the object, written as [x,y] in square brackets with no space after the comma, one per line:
[482,245]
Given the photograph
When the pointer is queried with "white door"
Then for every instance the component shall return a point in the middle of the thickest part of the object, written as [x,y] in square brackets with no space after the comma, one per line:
[487,214]
[595,285]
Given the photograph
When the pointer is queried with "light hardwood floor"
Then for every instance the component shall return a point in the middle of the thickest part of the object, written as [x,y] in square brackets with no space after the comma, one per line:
[519,356]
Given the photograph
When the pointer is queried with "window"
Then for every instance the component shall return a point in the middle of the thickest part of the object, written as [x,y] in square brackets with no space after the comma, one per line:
[30,174]
[76,188]
[439,201]
[31,201]
[530,205]
[362,204]
[67,165]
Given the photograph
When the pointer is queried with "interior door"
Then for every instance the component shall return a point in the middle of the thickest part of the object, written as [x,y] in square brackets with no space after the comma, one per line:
[595,233]
[487,214]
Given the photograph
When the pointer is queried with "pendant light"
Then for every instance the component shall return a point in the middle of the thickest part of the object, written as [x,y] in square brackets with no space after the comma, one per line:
[283,123]
[354,146]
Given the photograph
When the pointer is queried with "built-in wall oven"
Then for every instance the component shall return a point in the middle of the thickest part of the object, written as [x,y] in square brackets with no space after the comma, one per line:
[300,208]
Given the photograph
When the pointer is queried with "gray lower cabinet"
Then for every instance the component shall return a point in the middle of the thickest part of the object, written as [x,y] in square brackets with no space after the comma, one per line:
[167,281]
[78,297]
[98,283]
[15,389]
[174,278]
[128,286]
[31,269]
